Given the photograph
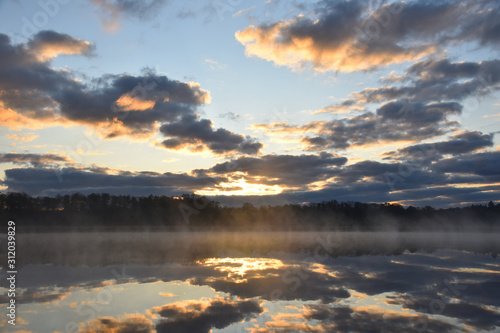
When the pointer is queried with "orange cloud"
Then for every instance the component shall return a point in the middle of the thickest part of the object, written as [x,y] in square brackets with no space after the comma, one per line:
[167,294]
[19,121]
[28,137]
[127,102]
[302,51]
[47,45]
[49,51]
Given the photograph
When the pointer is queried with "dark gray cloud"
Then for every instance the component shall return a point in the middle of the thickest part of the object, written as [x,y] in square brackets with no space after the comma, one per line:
[350,35]
[462,143]
[136,102]
[191,131]
[394,121]
[482,164]
[288,170]
[419,181]
[434,80]
[201,317]
[34,159]
[23,74]
[483,25]
[34,94]
[50,181]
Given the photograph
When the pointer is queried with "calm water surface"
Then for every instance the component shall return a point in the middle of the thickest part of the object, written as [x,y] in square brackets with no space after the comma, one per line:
[256,282]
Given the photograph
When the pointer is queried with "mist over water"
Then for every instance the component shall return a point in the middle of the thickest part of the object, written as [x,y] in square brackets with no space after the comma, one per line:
[257,282]
[105,248]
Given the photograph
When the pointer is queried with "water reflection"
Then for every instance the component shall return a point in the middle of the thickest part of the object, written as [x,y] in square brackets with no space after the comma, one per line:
[308,289]
[240,267]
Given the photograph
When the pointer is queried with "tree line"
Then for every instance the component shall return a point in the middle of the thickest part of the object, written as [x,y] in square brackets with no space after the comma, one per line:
[192,212]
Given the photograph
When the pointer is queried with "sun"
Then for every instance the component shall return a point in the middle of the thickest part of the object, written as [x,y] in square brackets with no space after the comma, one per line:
[241,187]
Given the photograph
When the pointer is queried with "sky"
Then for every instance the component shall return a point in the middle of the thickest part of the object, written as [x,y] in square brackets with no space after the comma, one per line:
[268,102]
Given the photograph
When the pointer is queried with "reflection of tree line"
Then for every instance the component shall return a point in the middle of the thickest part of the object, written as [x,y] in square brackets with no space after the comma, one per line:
[80,210]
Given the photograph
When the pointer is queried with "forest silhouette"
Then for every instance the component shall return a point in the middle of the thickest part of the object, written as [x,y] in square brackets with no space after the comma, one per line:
[192,212]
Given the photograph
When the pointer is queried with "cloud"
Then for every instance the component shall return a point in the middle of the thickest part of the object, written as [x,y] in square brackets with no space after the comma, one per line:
[199,134]
[203,317]
[350,36]
[433,80]
[25,80]
[420,181]
[131,105]
[482,164]
[47,45]
[462,143]
[27,83]
[35,160]
[112,11]
[413,178]
[394,121]
[32,94]
[287,170]
[51,181]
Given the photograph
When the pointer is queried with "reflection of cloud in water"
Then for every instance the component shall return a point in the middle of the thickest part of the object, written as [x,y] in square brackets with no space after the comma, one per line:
[275,280]
[42,295]
[131,323]
[328,293]
[478,316]
[324,318]
[240,266]
[203,316]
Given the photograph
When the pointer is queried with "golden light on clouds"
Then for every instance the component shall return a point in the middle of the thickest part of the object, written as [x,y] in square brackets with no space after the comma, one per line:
[274,44]
[203,96]
[49,51]
[116,128]
[129,103]
[318,185]
[17,121]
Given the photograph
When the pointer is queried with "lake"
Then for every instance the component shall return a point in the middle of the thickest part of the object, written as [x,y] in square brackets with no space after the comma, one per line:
[255,282]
